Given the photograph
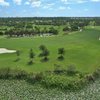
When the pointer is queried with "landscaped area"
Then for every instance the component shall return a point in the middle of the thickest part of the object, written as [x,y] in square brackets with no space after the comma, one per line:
[42,61]
[81,49]
[49,49]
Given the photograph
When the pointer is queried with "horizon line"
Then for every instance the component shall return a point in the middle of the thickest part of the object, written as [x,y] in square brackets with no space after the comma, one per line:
[50,16]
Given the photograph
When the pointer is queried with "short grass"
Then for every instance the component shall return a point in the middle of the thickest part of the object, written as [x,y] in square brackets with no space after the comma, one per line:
[82,50]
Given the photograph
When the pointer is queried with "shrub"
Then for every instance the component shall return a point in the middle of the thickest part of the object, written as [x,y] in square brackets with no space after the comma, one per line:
[4,73]
[90,78]
[18,74]
[30,62]
[42,47]
[52,80]
[58,69]
[7,73]
[34,78]
[61,58]
[96,74]
[71,70]
[38,76]
[31,78]
[67,28]
[61,82]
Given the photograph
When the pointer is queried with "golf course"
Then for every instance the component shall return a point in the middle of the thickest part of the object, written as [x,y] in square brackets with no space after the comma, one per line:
[82,50]
[49,49]
[41,58]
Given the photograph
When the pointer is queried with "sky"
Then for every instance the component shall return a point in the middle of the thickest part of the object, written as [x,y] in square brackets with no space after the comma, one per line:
[49,8]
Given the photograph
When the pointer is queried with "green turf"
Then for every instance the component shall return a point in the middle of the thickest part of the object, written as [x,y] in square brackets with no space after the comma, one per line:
[82,50]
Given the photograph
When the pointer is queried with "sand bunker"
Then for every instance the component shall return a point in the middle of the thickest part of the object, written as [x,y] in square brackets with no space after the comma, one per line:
[4,50]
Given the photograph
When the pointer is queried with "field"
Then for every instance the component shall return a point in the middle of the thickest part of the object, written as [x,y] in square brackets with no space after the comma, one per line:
[82,50]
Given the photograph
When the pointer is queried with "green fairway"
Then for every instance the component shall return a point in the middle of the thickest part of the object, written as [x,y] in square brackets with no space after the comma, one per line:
[82,50]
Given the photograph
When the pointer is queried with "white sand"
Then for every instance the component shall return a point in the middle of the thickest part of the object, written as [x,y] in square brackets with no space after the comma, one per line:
[4,50]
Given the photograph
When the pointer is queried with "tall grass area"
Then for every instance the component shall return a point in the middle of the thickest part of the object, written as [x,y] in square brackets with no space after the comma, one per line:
[20,89]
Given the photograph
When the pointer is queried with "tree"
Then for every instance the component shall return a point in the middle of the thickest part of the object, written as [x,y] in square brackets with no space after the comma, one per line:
[31,55]
[29,26]
[18,55]
[45,30]
[1,33]
[44,53]
[74,27]
[53,31]
[67,28]
[61,53]
[37,30]
[92,23]
[42,47]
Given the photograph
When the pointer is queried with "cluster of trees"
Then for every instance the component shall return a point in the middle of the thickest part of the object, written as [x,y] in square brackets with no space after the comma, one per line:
[25,26]
[44,53]
[74,26]
[31,31]
[19,33]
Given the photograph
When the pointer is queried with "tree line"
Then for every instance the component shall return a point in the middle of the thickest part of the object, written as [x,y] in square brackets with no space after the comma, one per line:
[30,26]
[11,21]
[17,32]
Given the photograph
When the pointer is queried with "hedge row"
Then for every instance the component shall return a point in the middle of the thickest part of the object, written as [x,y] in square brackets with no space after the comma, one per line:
[50,79]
